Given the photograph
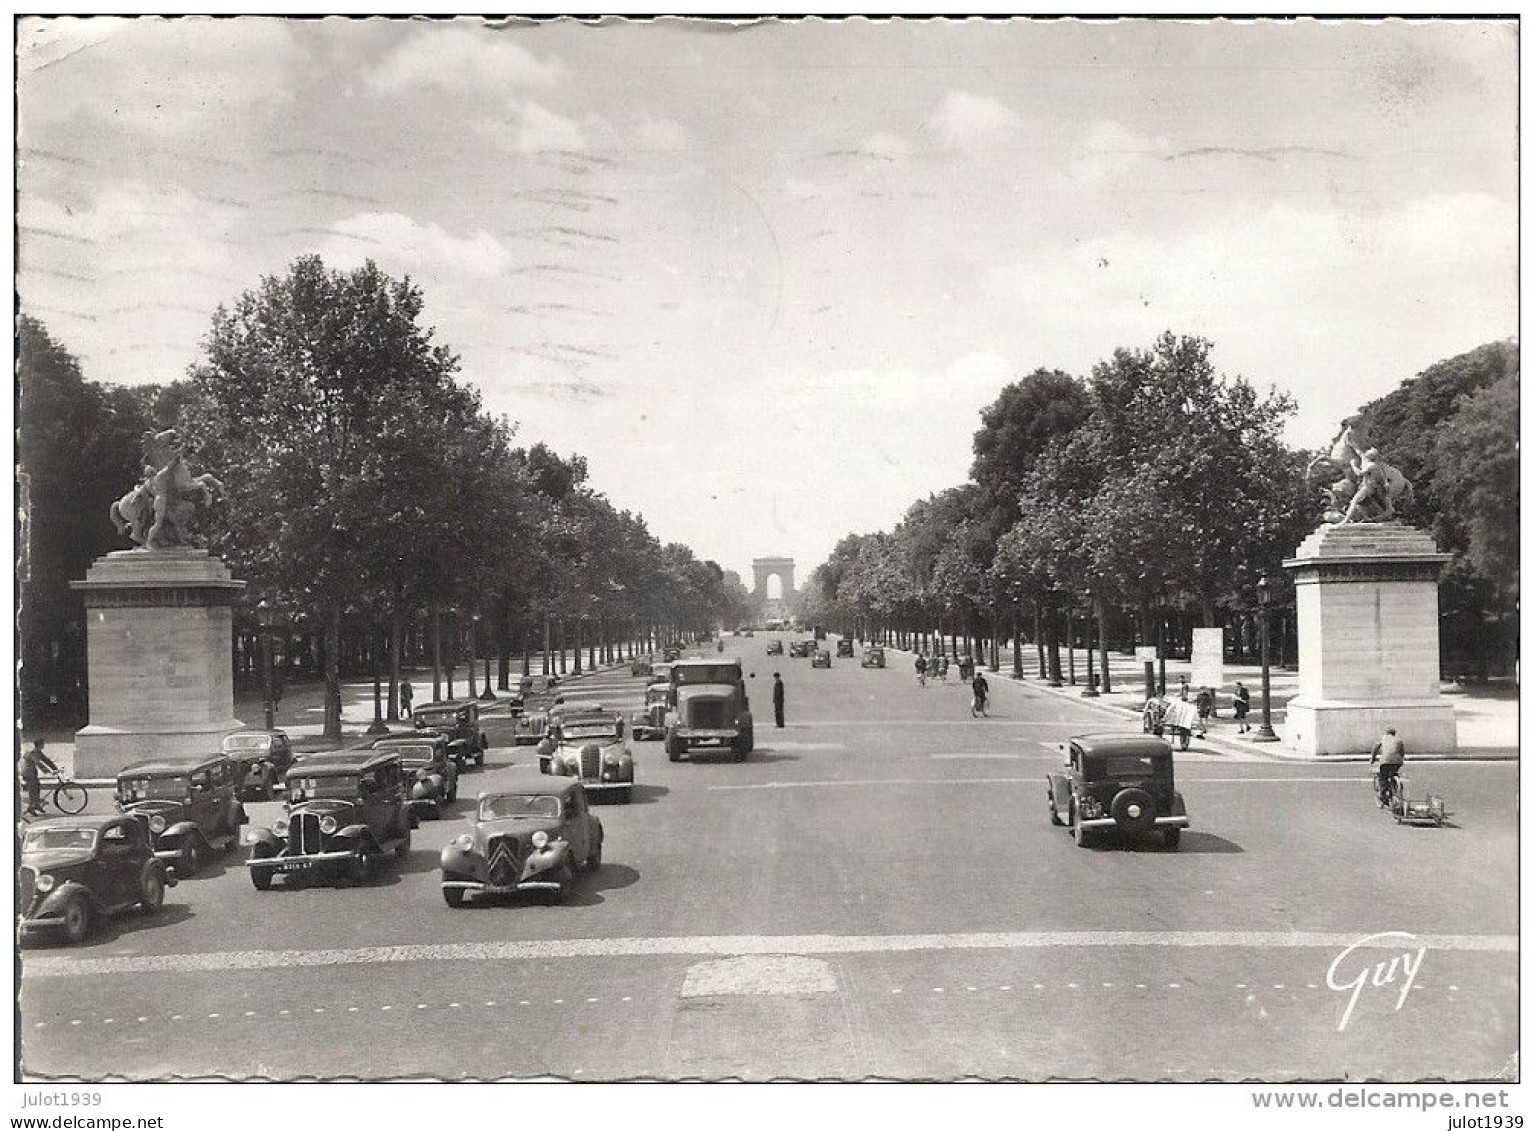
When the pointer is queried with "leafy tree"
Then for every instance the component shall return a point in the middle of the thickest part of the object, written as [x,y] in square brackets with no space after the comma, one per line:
[1475,457]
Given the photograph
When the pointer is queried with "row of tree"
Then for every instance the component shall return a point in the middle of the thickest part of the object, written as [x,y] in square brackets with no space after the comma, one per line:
[1157,494]
[365,487]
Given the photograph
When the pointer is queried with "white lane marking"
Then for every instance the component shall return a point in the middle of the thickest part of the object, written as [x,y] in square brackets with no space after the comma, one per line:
[772,745]
[728,945]
[764,974]
[876,781]
[991,723]
[995,757]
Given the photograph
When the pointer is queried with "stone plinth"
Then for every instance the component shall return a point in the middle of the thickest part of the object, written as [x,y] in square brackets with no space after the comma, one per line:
[1367,612]
[159,629]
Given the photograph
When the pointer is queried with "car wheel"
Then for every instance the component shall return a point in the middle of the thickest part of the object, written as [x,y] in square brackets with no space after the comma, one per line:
[1054,814]
[77,919]
[594,860]
[453,897]
[402,849]
[674,746]
[153,891]
[359,868]
[260,878]
[1173,838]
[566,880]
[190,859]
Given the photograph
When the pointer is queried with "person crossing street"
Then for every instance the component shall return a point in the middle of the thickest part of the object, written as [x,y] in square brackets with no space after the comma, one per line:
[777,699]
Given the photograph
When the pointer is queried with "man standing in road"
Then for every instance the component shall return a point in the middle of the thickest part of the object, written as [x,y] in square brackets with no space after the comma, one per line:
[32,763]
[777,699]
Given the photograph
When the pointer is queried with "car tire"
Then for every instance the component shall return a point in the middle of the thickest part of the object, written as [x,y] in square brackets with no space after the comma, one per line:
[190,858]
[77,919]
[1172,838]
[153,891]
[260,878]
[1054,814]
[674,746]
[566,881]
[594,858]
[359,869]
[454,897]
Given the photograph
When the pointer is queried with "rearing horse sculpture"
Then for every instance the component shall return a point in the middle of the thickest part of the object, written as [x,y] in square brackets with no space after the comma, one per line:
[157,512]
[1363,487]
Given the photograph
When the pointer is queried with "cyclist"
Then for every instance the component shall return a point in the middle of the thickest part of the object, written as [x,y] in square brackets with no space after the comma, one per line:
[921,670]
[32,762]
[1390,753]
[982,691]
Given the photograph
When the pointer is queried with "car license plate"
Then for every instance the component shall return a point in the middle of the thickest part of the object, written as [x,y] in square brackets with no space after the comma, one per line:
[293,865]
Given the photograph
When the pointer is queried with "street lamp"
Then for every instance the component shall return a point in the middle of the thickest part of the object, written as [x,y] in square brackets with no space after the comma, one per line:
[1264,732]
[264,619]
[484,688]
[1090,691]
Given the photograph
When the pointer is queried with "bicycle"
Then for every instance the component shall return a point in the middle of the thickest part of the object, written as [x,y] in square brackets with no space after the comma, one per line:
[1388,791]
[977,708]
[68,797]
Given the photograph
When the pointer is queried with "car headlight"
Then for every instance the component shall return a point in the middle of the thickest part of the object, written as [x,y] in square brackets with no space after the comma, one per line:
[157,824]
[280,827]
[465,842]
[422,775]
[327,825]
[45,882]
[540,839]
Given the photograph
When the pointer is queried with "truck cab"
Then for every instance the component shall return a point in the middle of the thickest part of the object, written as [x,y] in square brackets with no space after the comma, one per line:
[709,707]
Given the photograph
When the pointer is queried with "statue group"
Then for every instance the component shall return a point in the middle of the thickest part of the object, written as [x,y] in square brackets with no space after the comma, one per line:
[158,511]
[1360,486]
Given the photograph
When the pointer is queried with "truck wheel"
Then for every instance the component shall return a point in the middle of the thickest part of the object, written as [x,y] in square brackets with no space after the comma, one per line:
[402,849]
[77,919]
[674,746]
[453,897]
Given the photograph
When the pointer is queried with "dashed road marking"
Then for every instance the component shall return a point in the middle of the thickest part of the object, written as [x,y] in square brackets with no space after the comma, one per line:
[723,946]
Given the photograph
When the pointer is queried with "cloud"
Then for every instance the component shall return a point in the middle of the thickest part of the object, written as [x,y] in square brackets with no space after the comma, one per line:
[972,119]
[461,60]
[887,145]
[1335,306]
[426,251]
[662,134]
[1109,150]
[543,129]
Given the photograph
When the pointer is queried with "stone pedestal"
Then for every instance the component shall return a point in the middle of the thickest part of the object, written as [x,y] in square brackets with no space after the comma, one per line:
[159,629]
[1367,603]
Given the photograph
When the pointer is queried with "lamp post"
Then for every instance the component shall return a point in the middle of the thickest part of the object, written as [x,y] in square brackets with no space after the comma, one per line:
[377,726]
[264,619]
[1090,691]
[1070,645]
[484,683]
[1264,732]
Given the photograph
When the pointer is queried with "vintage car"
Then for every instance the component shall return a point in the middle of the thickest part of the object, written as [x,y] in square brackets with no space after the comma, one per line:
[1117,781]
[650,721]
[190,806]
[530,728]
[844,648]
[344,811]
[774,647]
[590,746]
[873,656]
[264,756]
[74,869]
[671,653]
[639,666]
[709,708]
[459,720]
[430,775]
[799,649]
[821,659]
[529,839]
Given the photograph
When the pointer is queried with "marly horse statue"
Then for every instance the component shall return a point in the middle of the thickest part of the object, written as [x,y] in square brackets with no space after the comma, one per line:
[1364,488]
[157,512]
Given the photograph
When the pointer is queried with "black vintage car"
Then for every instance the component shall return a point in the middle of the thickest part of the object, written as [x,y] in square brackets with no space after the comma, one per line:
[74,869]
[190,806]
[530,839]
[344,812]
[459,720]
[1117,781]
[774,647]
[264,756]
[799,649]
[430,775]
[844,648]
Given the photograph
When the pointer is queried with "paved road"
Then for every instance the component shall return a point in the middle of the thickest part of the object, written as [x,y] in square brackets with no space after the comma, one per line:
[876,893]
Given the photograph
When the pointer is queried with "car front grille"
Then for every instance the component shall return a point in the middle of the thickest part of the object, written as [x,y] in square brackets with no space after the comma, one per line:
[26,883]
[591,762]
[304,834]
[505,861]
[708,714]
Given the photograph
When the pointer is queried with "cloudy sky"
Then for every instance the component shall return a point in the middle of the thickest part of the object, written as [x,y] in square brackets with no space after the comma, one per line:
[765,277]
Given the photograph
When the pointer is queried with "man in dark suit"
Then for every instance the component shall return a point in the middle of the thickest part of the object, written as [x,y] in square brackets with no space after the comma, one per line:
[777,698]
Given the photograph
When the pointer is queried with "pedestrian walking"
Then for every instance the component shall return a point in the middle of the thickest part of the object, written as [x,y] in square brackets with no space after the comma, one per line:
[1242,705]
[1182,692]
[982,690]
[942,668]
[777,699]
[1205,705]
[406,694]
[921,669]
[33,762]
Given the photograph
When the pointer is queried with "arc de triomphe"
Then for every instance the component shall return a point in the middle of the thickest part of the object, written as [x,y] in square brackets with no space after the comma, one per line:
[783,568]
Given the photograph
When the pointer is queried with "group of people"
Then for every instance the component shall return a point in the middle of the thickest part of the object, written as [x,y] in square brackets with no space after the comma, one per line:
[938,667]
[1204,701]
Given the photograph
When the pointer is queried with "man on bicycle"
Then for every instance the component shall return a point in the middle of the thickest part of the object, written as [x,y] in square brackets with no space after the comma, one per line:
[32,762]
[921,669]
[1390,753]
[982,690]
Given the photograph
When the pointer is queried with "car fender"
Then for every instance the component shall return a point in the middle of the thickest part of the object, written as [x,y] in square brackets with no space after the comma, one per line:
[1179,808]
[462,861]
[264,837]
[743,718]
[179,830]
[53,903]
[354,832]
[547,859]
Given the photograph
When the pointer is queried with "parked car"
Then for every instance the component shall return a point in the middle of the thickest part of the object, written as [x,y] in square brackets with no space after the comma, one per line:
[264,756]
[799,649]
[590,747]
[671,653]
[345,811]
[74,870]
[524,840]
[639,666]
[774,647]
[430,775]
[459,720]
[844,648]
[709,708]
[821,659]
[873,656]
[190,806]
[650,721]
[530,728]
[1117,781]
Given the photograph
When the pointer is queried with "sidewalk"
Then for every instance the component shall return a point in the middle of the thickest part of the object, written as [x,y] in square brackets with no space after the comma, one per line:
[1487,718]
[302,711]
